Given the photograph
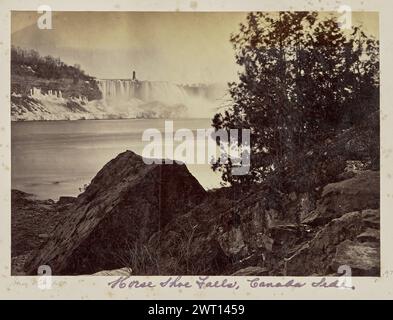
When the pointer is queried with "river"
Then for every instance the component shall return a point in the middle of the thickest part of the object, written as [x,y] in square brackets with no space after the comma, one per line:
[57,158]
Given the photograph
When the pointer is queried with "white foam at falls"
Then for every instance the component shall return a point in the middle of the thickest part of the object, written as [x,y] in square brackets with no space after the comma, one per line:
[124,94]
[54,96]
[146,91]
[123,99]
[51,94]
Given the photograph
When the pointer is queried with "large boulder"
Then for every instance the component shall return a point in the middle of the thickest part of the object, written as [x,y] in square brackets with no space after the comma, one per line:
[357,193]
[352,239]
[126,203]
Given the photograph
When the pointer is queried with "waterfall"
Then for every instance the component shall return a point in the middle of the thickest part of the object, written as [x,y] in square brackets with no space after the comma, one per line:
[123,99]
[126,94]
[146,91]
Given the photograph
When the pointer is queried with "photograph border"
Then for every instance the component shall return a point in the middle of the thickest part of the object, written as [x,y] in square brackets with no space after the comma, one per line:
[96,287]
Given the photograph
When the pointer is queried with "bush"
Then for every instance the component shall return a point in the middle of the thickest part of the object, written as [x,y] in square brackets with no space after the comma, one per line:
[304,81]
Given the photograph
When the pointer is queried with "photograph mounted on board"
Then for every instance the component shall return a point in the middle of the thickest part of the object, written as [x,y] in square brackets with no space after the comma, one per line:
[195,143]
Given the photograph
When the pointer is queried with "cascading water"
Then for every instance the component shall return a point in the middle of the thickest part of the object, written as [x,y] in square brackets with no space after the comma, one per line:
[122,99]
[152,98]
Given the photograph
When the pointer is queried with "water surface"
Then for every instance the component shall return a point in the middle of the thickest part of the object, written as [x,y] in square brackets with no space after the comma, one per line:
[57,158]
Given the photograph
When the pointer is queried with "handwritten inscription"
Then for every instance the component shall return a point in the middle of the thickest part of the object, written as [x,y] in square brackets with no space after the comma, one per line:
[128,282]
[207,282]
[257,283]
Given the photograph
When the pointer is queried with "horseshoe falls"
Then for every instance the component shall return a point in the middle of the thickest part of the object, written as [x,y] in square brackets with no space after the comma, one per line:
[161,99]
[121,99]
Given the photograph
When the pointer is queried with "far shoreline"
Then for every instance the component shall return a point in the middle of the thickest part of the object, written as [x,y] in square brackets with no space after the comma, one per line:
[111,119]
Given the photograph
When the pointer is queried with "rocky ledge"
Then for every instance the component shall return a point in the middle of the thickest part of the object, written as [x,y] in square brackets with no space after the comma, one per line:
[157,219]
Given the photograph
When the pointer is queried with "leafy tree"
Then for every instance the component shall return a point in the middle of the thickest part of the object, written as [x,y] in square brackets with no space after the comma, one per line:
[46,67]
[304,79]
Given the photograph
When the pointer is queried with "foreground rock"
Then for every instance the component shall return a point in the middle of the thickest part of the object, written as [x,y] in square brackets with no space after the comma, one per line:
[340,243]
[357,193]
[157,219]
[228,232]
[31,219]
[252,234]
[110,223]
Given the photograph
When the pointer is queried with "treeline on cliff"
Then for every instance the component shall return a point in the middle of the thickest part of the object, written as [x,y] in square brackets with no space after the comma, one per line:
[29,69]
[309,92]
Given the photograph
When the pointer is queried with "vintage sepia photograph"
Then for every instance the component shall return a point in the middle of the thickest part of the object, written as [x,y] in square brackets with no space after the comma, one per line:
[195,143]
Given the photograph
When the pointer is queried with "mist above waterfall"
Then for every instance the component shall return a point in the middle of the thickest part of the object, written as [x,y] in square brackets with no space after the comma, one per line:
[122,99]
[161,99]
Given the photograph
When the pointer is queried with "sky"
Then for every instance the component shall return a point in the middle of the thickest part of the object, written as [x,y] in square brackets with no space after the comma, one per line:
[180,47]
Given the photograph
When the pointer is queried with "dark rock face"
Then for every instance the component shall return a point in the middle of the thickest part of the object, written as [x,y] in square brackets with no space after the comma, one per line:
[340,243]
[32,223]
[30,218]
[357,193]
[226,236]
[346,211]
[125,204]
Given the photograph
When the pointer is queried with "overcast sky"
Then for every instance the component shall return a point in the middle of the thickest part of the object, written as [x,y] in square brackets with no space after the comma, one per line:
[184,47]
